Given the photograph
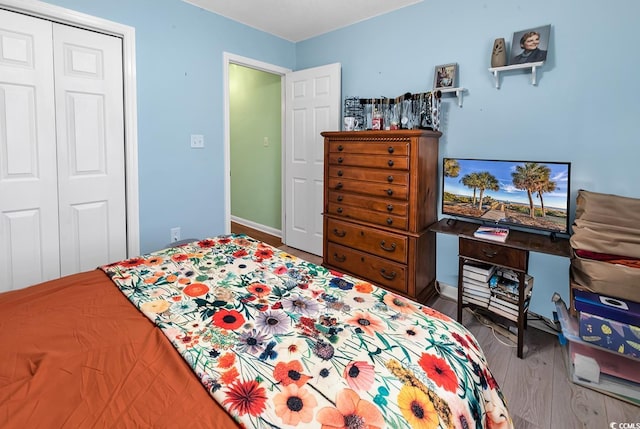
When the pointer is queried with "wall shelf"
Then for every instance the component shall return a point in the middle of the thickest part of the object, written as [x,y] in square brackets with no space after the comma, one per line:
[496,71]
[458,92]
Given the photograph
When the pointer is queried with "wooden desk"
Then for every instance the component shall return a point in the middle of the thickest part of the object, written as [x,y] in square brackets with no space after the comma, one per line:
[512,254]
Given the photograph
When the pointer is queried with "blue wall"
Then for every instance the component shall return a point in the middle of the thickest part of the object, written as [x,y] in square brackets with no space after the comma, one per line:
[583,110]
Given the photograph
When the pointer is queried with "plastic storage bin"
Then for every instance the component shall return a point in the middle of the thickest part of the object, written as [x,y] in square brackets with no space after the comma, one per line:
[609,322]
[595,367]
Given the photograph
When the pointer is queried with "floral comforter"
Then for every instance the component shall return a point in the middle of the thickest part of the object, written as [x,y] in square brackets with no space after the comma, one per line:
[281,342]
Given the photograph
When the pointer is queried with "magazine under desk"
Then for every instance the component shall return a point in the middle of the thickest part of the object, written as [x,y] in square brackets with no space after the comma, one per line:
[512,254]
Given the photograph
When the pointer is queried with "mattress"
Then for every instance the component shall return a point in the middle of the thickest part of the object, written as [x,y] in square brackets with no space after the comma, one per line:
[76,354]
[230,331]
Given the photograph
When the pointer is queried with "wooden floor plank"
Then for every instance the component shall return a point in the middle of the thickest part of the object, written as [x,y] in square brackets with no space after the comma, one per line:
[237,228]
[572,406]
[621,412]
[303,255]
[529,384]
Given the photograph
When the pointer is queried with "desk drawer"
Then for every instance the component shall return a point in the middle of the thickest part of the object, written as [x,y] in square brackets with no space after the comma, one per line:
[378,271]
[497,254]
[371,240]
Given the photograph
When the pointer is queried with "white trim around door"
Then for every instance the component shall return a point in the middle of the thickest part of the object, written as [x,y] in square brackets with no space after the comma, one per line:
[127,34]
[227,59]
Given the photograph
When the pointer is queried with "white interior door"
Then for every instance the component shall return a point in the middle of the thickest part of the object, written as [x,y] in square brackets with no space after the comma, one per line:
[312,106]
[28,183]
[90,136]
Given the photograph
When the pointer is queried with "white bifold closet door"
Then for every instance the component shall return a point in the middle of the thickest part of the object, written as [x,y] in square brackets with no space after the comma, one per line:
[62,177]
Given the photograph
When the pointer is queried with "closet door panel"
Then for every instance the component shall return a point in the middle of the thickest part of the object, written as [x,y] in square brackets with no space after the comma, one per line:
[90,130]
[29,250]
[89,225]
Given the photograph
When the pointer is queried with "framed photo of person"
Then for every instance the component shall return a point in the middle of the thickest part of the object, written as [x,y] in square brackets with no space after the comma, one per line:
[445,76]
[530,45]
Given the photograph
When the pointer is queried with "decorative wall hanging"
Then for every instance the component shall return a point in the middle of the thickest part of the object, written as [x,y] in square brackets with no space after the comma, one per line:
[531,45]
[445,76]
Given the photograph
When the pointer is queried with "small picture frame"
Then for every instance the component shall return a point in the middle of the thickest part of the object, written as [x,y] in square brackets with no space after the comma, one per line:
[445,76]
[530,45]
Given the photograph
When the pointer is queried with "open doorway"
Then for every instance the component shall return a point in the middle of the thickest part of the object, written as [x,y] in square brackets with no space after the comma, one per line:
[310,104]
[254,125]
[255,130]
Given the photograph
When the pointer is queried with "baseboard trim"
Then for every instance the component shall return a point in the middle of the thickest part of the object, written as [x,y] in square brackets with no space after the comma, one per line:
[447,291]
[259,227]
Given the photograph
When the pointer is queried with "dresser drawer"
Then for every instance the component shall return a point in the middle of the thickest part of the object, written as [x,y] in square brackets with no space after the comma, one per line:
[371,175]
[376,270]
[365,215]
[373,161]
[380,190]
[370,240]
[370,147]
[509,257]
[384,205]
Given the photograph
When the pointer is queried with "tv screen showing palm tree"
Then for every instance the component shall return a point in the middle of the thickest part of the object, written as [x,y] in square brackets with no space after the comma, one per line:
[528,194]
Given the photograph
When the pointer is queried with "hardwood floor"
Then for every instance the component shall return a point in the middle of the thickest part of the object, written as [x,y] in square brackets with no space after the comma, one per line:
[537,388]
[237,228]
[274,241]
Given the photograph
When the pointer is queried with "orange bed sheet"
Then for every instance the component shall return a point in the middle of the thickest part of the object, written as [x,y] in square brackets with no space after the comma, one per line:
[74,353]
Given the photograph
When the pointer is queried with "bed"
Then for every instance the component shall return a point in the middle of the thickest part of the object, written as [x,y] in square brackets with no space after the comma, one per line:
[231,332]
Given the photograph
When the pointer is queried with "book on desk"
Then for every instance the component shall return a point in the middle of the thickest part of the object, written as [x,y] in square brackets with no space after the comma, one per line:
[494,233]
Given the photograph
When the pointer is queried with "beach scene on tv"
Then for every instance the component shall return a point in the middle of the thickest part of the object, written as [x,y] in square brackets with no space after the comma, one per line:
[528,194]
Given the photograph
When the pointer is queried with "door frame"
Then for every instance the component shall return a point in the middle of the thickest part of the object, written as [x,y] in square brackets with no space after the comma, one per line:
[127,35]
[228,59]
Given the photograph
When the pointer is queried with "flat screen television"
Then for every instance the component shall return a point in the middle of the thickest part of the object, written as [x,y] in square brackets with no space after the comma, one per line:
[533,195]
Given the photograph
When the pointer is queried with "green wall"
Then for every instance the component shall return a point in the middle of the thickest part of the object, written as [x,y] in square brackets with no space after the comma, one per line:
[255,113]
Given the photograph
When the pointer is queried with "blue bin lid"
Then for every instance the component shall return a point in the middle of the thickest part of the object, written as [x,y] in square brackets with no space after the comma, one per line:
[612,308]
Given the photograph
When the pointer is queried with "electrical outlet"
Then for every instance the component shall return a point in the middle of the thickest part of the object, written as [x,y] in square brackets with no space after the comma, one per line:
[197,141]
[175,234]
[265,142]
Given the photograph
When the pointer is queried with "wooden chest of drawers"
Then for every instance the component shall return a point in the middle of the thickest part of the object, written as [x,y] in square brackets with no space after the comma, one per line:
[380,197]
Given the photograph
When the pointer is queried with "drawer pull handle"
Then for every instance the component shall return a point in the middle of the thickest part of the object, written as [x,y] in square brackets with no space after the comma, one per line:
[340,148]
[389,276]
[340,173]
[390,163]
[391,248]
[340,159]
[339,210]
[389,221]
[389,192]
[489,254]
[390,149]
[339,233]
[339,258]
[339,185]
[390,207]
[340,198]
[390,179]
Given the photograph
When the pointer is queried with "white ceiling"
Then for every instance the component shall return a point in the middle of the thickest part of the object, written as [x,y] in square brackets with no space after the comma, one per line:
[297,20]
